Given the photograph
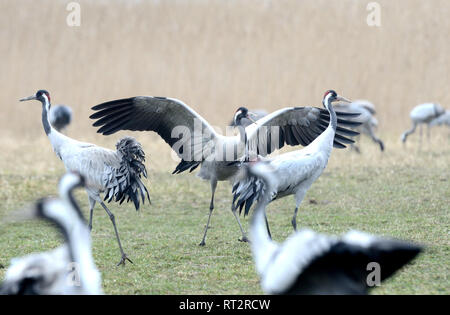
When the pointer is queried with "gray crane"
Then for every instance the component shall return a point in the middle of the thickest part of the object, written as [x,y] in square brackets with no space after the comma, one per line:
[60,116]
[367,119]
[423,114]
[68,269]
[295,171]
[115,173]
[196,142]
[311,263]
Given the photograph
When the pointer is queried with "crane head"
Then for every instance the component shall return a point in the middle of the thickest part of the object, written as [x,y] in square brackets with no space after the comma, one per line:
[331,96]
[41,95]
[242,112]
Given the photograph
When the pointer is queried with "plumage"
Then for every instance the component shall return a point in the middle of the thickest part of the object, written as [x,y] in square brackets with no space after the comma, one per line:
[294,171]
[197,143]
[67,269]
[311,263]
[118,174]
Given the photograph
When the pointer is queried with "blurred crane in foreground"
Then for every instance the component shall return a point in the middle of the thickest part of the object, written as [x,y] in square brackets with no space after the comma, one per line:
[68,269]
[295,171]
[60,117]
[311,263]
[423,114]
[196,142]
[367,119]
[116,173]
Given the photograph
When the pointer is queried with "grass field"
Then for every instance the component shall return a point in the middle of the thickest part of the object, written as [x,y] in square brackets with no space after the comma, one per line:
[400,193]
[217,56]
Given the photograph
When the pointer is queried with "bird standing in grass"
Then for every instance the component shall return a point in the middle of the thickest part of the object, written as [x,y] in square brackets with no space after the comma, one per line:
[311,263]
[68,269]
[196,142]
[423,114]
[295,171]
[117,174]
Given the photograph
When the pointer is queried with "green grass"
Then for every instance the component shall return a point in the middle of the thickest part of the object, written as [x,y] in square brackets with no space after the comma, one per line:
[408,201]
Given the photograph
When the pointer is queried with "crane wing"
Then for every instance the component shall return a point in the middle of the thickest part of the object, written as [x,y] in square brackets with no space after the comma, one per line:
[297,126]
[313,263]
[178,125]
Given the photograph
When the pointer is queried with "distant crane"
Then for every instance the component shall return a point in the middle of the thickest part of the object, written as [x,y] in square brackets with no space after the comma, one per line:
[68,269]
[366,118]
[60,117]
[294,171]
[196,142]
[255,115]
[311,263]
[423,114]
[117,173]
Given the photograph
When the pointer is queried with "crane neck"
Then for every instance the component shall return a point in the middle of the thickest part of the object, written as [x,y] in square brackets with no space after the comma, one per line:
[263,247]
[56,138]
[79,241]
[45,111]
[243,140]
[330,108]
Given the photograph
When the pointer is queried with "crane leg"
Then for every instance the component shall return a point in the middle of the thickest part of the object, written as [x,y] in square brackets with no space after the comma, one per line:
[421,134]
[113,220]
[375,139]
[353,146]
[91,212]
[294,219]
[408,132]
[267,226]
[244,237]
[211,208]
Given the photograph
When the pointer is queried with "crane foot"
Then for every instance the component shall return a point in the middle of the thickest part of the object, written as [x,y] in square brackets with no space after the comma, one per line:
[124,259]
[244,239]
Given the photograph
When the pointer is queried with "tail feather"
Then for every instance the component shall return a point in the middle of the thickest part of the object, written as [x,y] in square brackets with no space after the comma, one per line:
[246,192]
[124,183]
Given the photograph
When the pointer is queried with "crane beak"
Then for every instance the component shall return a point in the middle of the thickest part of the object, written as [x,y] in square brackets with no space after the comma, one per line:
[250,118]
[29,98]
[343,99]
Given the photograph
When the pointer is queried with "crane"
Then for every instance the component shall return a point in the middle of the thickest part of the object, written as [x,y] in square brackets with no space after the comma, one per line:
[196,142]
[366,118]
[295,171]
[312,263]
[60,117]
[423,114]
[67,269]
[115,173]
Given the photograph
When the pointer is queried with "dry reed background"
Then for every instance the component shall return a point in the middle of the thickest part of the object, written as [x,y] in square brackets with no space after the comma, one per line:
[218,55]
